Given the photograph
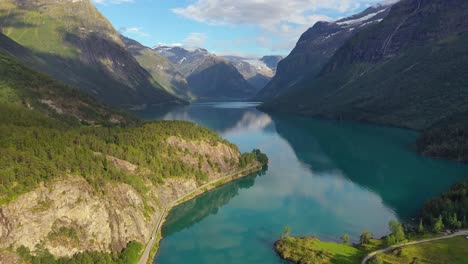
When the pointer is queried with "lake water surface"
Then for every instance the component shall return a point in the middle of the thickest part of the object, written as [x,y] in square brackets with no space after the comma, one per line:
[325,178]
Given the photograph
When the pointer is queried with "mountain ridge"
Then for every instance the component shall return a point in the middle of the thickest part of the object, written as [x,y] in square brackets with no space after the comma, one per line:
[315,47]
[75,44]
[210,77]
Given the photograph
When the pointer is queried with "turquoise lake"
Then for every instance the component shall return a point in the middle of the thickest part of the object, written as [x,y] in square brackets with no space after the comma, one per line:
[325,178]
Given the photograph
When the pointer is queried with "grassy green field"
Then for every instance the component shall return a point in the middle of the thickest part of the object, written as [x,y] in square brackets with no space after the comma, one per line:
[453,251]
[309,250]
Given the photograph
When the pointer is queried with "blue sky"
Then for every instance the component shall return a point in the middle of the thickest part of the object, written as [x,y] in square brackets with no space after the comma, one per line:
[234,27]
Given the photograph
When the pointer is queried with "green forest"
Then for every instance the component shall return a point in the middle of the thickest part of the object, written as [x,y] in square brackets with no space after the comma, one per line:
[449,210]
[35,148]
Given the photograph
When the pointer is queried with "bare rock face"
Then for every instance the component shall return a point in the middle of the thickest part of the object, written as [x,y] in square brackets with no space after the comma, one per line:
[220,156]
[70,216]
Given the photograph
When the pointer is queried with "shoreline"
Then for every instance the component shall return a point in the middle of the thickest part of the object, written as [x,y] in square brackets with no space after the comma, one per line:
[152,246]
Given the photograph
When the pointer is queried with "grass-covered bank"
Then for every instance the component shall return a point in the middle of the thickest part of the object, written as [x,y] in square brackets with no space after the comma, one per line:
[452,250]
[310,250]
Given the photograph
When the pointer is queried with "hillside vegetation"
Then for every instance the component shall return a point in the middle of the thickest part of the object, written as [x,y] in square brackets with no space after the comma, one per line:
[22,88]
[83,183]
[74,43]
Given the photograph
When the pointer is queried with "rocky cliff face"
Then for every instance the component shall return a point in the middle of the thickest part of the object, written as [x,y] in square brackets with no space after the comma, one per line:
[315,47]
[74,43]
[69,216]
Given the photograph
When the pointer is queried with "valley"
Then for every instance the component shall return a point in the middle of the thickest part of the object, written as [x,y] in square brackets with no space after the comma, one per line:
[202,132]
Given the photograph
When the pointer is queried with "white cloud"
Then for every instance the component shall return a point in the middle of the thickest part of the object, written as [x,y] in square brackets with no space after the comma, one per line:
[277,19]
[137,31]
[196,39]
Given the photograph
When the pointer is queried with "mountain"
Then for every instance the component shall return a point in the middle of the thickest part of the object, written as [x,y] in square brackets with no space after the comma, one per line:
[83,182]
[410,70]
[209,77]
[22,89]
[258,72]
[160,68]
[75,44]
[315,47]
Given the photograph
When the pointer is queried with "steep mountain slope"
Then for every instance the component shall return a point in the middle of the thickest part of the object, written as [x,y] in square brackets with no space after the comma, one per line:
[410,70]
[160,68]
[210,77]
[24,88]
[315,47]
[75,44]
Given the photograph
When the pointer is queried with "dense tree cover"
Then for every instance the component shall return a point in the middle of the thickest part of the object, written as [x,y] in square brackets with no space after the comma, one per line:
[34,149]
[249,158]
[448,142]
[129,255]
[450,210]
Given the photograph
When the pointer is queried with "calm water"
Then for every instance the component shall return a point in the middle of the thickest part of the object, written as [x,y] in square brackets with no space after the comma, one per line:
[324,179]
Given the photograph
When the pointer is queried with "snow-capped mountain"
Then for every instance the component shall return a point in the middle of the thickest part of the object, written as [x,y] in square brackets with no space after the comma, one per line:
[316,46]
[209,76]
[257,71]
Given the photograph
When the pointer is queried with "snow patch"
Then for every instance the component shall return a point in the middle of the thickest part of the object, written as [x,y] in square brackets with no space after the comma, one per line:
[359,20]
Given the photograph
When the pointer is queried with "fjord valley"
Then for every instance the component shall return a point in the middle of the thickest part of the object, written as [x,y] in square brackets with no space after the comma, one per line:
[207,148]
[407,70]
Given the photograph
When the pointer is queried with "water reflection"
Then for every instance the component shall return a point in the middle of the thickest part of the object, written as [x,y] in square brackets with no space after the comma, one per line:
[224,118]
[377,158]
[193,211]
[324,179]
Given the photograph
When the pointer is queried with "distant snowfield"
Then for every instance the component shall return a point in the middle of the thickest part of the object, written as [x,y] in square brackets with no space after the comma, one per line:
[260,65]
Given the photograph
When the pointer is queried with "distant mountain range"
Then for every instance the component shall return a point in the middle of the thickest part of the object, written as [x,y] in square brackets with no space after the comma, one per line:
[409,68]
[212,77]
[74,43]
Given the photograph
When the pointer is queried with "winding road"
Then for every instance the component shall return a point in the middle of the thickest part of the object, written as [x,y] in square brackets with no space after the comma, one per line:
[389,249]
[146,254]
